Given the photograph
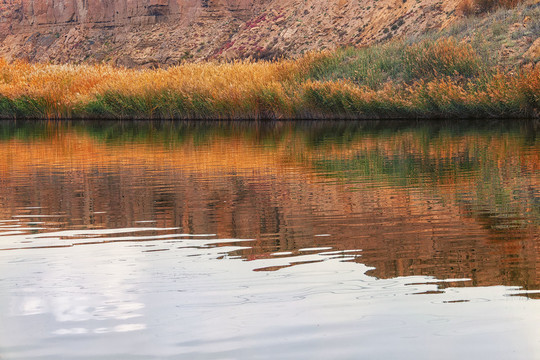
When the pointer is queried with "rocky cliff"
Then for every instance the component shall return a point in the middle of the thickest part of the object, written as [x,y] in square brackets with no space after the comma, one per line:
[155,32]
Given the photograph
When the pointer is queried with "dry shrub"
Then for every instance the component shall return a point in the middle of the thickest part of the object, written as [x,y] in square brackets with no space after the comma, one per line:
[476,7]
[466,7]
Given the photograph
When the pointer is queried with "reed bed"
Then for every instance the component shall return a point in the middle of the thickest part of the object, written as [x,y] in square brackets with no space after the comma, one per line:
[440,78]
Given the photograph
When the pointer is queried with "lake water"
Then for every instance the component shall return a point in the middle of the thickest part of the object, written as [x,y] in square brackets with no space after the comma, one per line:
[279,240]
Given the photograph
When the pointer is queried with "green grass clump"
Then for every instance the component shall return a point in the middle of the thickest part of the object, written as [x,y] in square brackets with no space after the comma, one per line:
[399,62]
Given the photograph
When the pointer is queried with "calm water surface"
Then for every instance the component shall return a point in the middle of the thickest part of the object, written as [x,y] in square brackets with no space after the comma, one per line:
[344,240]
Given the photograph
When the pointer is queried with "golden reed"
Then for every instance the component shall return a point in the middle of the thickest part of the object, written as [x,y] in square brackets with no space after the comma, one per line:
[446,79]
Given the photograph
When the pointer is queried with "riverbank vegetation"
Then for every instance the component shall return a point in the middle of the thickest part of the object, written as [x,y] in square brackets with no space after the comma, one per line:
[439,76]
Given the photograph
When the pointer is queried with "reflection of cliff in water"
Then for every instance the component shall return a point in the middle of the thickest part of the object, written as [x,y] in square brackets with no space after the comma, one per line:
[417,200]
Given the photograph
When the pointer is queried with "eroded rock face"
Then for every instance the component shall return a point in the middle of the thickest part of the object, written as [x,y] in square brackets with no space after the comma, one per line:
[117,12]
[54,12]
[164,32]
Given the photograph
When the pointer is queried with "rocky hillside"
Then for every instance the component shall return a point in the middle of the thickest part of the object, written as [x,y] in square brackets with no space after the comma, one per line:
[151,32]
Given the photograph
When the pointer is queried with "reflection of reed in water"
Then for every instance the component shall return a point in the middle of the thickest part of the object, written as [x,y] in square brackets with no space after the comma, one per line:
[417,200]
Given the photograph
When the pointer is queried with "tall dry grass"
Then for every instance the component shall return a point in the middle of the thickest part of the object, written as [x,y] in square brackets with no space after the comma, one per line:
[440,78]
[52,91]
